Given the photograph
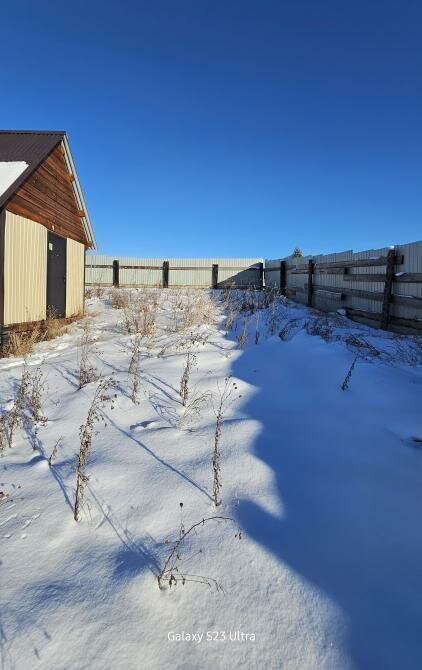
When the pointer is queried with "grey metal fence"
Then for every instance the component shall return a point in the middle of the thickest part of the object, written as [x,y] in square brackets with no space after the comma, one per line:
[173,272]
[381,287]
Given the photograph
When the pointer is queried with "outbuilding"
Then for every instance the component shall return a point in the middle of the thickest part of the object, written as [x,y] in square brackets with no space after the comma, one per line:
[44,230]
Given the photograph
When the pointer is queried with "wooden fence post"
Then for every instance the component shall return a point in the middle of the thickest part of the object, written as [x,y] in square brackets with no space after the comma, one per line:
[261,276]
[214,280]
[166,268]
[310,281]
[283,277]
[388,286]
[116,270]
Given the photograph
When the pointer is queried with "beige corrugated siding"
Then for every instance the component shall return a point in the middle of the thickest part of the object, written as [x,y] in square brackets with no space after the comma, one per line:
[194,272]
[25,270]
[75,277]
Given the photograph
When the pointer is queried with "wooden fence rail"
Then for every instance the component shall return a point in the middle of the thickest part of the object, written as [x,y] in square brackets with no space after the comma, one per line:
[165,273]
[389,299]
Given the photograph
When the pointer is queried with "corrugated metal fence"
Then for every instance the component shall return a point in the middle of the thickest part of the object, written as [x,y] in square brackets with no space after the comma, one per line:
[379,286]
[174,272]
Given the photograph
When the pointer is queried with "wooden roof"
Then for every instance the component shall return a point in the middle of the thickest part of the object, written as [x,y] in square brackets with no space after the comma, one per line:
[33,147]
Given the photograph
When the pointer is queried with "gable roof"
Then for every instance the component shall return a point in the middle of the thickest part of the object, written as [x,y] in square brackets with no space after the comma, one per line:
[33,147]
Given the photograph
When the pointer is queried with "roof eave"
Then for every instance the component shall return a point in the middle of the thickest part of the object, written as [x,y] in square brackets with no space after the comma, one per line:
[89,233]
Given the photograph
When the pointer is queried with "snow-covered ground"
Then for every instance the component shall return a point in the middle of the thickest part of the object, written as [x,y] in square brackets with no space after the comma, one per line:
[325,484]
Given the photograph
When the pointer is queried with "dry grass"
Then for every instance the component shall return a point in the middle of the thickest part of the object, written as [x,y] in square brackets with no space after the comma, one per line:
[87,431]
[173,571]
[87,350]
[119,298]
[140,314]
[26,408]
[22,343]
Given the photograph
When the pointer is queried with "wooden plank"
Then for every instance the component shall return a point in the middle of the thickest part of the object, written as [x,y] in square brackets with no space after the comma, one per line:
[414,324]
[63,230]
[405,278]
[139,267]
[166,274]
[388,287]
[407,300]
[358,293]
[214,275]
[363,277]
[319,271]
[116,279]
[408,277]
[292,290]
[331,295]
[329,271]
[282,277]
[360,263]
[311,265]
[48,198]
[45,215]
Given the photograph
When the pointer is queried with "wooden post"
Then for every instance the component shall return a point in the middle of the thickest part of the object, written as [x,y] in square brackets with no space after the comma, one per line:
[310,281]
[215,275]
[388,286]
[166,268]
[261,276]
[283,277]
[116,270]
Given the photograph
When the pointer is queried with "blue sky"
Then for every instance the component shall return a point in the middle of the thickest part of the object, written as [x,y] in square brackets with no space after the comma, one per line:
[228,128]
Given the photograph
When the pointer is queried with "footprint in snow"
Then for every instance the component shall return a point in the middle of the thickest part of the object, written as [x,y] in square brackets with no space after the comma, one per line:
[29,521]
[142,425]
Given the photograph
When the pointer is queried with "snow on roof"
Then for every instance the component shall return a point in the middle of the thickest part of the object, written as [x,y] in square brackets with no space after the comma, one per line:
[9,172]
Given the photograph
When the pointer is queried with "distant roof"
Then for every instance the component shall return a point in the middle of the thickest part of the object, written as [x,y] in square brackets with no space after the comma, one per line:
[32,147]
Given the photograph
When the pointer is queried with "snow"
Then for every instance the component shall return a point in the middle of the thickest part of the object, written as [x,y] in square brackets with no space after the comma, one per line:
[326,486]
[9,172]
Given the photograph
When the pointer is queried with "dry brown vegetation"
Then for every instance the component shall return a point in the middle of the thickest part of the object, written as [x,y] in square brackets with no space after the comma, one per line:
[26,407]
[101,397]
[173,571]
[22,343]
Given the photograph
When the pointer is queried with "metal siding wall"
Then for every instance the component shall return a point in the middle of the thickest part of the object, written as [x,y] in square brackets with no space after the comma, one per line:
[93,275]
[412,264]
[75,278]
[25,270]
[201,276]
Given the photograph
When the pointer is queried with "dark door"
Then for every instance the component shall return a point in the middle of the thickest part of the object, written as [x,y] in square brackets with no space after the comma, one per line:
[56,275]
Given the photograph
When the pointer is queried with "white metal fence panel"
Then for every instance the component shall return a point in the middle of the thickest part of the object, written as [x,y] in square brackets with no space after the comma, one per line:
[187,272]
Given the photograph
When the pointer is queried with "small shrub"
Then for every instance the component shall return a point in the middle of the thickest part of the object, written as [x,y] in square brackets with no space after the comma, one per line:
[134,367]
[15,417]
[119,298]
[194,407]
[190,363]
[242,339]
[219,410]
[87,371]
[86,434]
[172,571]
[139,316]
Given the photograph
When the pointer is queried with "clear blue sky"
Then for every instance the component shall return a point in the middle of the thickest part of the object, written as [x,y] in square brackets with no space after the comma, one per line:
[228,127]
